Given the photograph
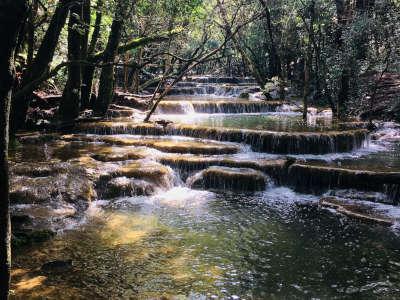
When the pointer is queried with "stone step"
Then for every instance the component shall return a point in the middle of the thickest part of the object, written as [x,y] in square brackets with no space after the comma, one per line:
[212,107]
[229,179]
[162,144]
[187,165]
[259,140]
[318,179]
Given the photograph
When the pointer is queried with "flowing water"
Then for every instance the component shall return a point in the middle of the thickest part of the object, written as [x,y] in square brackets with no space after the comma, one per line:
[183,243]
[286,122]
[222,245]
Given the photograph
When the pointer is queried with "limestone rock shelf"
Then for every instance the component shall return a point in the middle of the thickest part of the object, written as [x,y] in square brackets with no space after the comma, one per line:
[259,140]
[216,106]
[233,179]
[317,179]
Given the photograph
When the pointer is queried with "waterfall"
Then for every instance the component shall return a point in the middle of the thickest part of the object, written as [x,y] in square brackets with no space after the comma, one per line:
[215,86]
[213,107]
[259,140]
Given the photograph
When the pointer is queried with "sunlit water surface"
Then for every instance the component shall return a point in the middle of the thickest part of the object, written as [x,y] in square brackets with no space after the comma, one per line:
[290,121]
[202,244]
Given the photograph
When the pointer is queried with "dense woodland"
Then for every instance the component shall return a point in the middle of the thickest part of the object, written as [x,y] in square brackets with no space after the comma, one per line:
[343,54]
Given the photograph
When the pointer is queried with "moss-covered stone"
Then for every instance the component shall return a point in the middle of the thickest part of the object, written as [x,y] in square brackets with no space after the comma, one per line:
[64,182]
[152,172]
[231,179]
[123,186]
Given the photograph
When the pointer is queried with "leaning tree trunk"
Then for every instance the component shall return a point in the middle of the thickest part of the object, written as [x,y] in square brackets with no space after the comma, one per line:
[106,85]
[12,14]
[70,103]
[40,64]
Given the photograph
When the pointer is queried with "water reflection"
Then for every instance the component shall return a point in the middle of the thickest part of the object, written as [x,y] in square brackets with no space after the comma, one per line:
[186,242]
[267,121]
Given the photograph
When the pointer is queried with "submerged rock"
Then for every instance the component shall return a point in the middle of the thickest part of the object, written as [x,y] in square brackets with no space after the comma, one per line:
[233,179]
[358,211]
[57,266]
[26,237]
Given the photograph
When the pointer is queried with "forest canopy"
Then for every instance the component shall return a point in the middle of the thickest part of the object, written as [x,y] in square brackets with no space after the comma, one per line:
[327,50]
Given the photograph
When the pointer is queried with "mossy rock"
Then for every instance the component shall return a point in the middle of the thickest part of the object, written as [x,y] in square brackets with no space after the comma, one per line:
[22,238]
[231,179]
[123,186]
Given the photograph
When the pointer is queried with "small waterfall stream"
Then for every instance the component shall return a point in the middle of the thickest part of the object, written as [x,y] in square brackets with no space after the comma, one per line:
[235,199]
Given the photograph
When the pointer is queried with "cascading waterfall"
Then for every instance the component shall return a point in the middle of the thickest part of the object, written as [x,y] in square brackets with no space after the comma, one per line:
[215,86]
[263,141]
[216,107]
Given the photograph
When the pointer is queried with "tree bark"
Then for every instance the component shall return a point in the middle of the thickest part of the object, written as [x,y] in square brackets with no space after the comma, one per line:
[306,86]
[40,64]
[31,32]
[247,60]
[343,94]
[275,67]
[70,102]
[106,85]
[12,15]
[88,70]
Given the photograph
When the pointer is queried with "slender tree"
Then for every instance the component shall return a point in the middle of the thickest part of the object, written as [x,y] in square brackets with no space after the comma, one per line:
[106,85]
[40,64]
[71,100]
[12,15]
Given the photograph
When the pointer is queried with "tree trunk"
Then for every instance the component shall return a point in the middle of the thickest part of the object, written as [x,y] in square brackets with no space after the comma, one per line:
[246,59]
[12,15]
[40,64]
[106,85]
[343,94]
[70,102]
[306,86]
[135,79]
[275,67]
[31,32]
[88,71]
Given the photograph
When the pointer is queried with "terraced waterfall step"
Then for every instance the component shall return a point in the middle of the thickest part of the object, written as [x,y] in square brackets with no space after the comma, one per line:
[259,140]
[217,86]
[318,178]
[217,106]
[233,179]
[276,168]
[163,144]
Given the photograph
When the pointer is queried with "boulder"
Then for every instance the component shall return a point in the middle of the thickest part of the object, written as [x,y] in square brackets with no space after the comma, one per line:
[231,179]
[124,186]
